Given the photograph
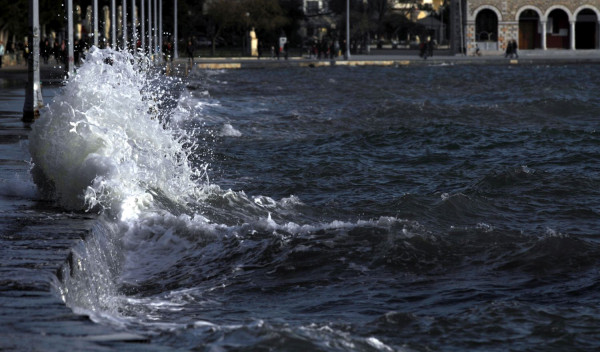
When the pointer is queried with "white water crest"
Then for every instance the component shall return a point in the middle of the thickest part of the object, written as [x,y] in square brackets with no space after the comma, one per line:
[109,143]
[101,141]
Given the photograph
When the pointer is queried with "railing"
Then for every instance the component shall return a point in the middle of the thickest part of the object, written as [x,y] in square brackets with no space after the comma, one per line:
[487,45]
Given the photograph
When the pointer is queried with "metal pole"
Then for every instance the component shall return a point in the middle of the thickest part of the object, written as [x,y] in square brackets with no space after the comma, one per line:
[150,49]
[462,40]
[33,90]
[134,36]
[124,26]
[143,24]
[347,29]
[95,22]
[71,59]
[155,28]
[160,31]
[175,51]
[113,23]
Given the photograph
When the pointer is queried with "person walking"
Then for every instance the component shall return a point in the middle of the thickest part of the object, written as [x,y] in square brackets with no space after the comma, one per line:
[2,49]
[190,51]
[511,49]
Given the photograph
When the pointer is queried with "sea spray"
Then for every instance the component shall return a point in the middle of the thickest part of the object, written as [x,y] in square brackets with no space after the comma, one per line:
[105,143]
[101,142]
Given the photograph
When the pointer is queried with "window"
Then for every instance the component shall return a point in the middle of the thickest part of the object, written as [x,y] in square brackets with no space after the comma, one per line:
[312,7]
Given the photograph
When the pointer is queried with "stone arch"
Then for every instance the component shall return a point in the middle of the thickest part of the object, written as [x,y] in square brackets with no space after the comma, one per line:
[559,7]
[586,27]
[529,18]
[486,28]
[559,29]
[485,7]
[529,7]
[586,7]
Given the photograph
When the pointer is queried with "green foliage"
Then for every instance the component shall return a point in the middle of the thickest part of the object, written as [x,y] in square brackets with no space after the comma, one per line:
[14,16]
[265,15]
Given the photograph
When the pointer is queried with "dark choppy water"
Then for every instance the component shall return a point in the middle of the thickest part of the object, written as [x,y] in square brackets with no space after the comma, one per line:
[334,209]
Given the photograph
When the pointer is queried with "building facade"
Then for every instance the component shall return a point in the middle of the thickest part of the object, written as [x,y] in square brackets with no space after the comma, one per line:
[534,24]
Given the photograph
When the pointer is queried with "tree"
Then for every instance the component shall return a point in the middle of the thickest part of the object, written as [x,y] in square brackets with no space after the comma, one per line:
[221,15]
[266,16]
[14,18]
[368,16]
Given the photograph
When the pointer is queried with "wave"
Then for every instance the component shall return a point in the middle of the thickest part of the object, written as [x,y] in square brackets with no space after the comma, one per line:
[102,142]
[171,251]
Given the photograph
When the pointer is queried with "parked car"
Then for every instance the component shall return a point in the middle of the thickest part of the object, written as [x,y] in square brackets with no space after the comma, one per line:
[203,41]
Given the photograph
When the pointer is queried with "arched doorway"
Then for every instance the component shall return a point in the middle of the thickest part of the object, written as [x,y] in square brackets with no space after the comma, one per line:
[486,30]
[585,30]
[557,30]
[529,32]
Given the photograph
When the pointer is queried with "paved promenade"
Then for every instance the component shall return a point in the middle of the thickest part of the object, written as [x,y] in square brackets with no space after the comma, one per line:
[54,74]
[392,58]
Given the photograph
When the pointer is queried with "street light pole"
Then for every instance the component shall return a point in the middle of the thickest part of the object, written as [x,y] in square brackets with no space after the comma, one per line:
[143,26]
[33,93]
[150,47]
[347,29]
[71,59]
[96,23]
[133,31]
[160,30]
[155,29]
[175,51]
[113,23]
[124,25]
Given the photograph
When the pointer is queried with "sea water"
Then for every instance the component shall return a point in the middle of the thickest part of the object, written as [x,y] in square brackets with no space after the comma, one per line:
[332,209]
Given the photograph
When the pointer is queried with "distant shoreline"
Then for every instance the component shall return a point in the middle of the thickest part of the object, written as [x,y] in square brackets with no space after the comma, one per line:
[54,74]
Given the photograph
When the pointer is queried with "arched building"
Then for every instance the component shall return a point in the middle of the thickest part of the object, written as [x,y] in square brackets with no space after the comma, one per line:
[534,24]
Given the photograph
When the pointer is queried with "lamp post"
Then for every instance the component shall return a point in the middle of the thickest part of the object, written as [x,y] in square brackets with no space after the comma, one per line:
[70,59]
[160,31]
[175,51]
[124,25]
[113,23]
[96,23]
[347,29]
[143,26]
[33,93]
[134,36]
[155,30]
[150,48]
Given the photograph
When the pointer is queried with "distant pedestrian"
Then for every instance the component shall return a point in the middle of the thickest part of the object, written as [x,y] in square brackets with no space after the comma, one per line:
[514,48]
[190,51]
[260,49]
[285,50]
[2,49]
[45,50]
[64,55]
[76,52]
[25,50]
[426,49]
[511,49]
[56,52]
[430,45]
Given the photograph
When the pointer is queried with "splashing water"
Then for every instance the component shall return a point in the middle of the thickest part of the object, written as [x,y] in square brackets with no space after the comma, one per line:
[326,261]
[101,143]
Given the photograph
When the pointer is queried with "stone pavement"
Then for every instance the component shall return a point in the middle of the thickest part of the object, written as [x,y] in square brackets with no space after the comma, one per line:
[407,58]
[54,74]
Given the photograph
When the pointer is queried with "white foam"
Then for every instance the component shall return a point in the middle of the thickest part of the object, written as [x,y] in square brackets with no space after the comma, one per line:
[229,131]
[100,142]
